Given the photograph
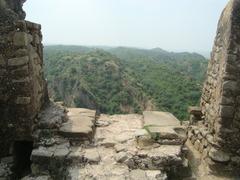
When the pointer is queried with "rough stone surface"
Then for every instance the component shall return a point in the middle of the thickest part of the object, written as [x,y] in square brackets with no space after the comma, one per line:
[23,87]
[218,156]
[80,124]
[159,119]
[96,160]
[92,155]
[216,135]
[18,61]
[20,39]
[220,93]
[67,144]
[163,127]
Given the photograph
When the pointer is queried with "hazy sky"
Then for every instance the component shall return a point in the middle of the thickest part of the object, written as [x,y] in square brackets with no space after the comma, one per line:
[175,25]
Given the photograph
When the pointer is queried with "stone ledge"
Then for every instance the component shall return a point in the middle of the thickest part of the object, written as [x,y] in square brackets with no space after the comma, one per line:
[157,118]
[33,26]
[80,124]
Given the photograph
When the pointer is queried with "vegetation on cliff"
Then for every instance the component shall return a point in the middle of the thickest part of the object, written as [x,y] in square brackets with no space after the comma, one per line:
[93,79]
[124,80]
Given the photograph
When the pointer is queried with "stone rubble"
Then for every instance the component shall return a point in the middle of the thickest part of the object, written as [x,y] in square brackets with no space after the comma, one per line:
[6,164]
[113,153]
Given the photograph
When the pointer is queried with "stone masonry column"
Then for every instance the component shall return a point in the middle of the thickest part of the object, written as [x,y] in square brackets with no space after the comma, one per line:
[22,86]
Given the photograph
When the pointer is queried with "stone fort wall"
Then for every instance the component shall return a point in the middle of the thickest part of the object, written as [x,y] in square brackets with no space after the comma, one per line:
[216,135]
[22,86]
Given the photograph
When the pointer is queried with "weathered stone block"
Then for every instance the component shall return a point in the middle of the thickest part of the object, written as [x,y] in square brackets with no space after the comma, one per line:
[18,61]
[230,86]
[23,100]
[42,154]
[218,155]
[23,80]
[20,39]
[227,111]
[231,69]
[92,156]
[33,26]
[21,24]
[21,71]
[21,52]
[227,100]
[36,39]
[61,152]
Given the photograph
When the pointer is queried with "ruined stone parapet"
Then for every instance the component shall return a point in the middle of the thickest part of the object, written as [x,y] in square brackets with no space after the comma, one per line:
[22,85]
[217,136]
[12,8]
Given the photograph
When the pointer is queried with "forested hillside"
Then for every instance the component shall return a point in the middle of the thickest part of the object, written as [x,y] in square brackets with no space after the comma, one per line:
[93,79]
[124,80]
[173,80]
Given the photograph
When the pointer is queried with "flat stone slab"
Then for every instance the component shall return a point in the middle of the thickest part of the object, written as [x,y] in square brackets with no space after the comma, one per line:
[163,127]
[45,154]
[158,118]
[80,124]
[120,129]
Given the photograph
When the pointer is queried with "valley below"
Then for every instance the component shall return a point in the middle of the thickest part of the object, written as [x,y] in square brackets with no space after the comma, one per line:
[123,80]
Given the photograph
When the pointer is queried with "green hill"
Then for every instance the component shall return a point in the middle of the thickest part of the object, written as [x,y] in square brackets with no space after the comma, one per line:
[93,79]
[124,80]
[172,80]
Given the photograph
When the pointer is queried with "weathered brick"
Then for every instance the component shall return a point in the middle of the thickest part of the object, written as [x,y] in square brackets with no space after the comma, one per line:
[20,39]
[21,52]
[18,61]
[230,85]
[23,80]
[23,100]
[227,111]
